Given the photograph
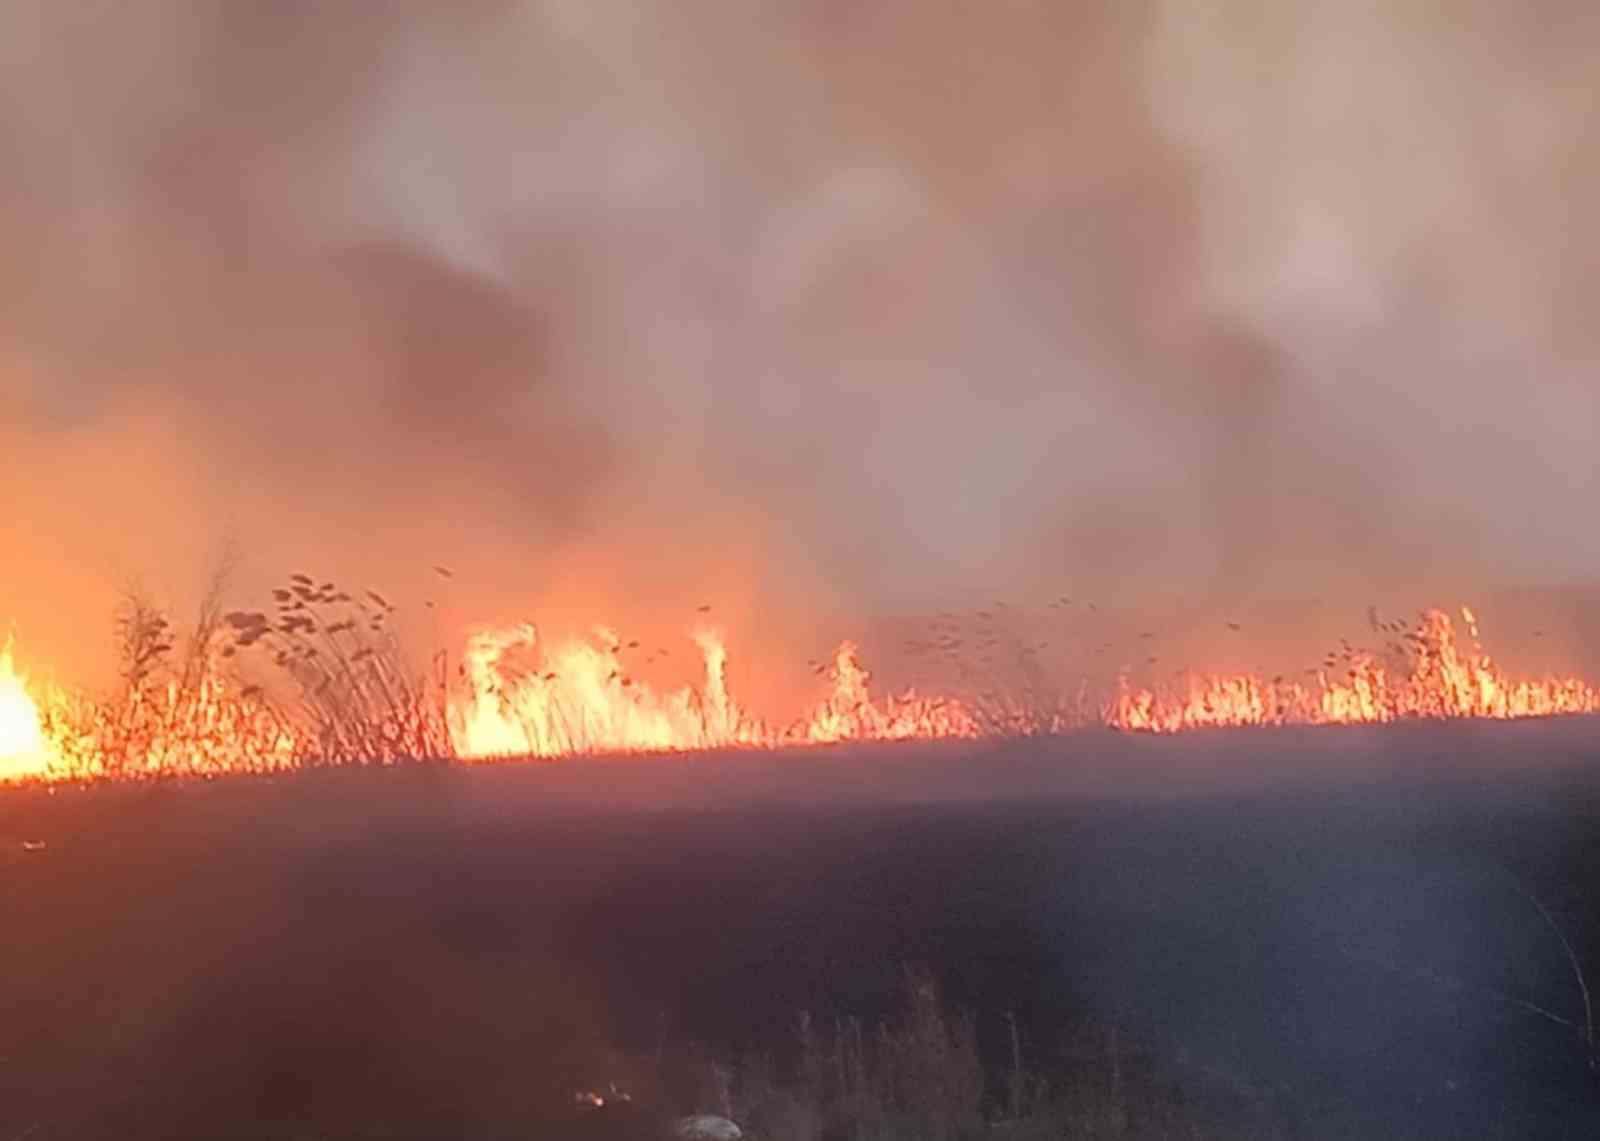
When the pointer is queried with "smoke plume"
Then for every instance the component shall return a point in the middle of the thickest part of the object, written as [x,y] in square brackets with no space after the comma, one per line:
[810,307]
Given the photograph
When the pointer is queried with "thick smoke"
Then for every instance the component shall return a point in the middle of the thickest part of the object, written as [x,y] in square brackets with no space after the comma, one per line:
[810,307]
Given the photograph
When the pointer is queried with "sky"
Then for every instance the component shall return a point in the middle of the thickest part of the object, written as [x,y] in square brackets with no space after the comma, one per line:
[803,308]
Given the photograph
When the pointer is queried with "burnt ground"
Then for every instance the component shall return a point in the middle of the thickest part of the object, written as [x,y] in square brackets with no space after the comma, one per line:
[1334,924]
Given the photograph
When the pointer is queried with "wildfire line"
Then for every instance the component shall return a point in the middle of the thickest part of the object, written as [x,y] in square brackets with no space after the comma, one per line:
[351,700]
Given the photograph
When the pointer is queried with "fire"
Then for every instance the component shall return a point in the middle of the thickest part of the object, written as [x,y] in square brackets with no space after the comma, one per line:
[850,714]
[24,751]
[579,698]
[349,700]
[1429,673]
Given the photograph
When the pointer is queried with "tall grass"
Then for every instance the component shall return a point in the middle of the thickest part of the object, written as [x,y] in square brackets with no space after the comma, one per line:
[1003,663]
[923,1077]
[176,710]
[321,679]
[356,697]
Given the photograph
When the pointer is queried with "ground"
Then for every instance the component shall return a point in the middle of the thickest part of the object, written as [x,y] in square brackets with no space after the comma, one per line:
[1331,926]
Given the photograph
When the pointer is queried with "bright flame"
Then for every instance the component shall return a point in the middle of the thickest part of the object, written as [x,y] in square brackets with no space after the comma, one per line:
[579,698]
[850,714]
[24,751]
[522,696]
[1428,674]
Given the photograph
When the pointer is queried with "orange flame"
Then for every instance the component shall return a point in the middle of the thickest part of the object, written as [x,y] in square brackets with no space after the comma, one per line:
[850,714]
[24,751]
[521,696]
[1429,674]
[579,699]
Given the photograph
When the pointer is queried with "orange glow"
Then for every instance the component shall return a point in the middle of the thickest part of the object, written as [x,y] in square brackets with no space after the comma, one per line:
[1428,673]
[24,750]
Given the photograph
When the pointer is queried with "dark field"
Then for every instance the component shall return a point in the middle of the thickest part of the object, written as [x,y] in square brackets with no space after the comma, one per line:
[1328,933]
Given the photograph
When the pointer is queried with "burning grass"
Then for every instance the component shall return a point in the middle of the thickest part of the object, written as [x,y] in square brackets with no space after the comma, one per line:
[334,688]
[355,698]
[1424,671]
[24,748]
[322,677]
[579,698]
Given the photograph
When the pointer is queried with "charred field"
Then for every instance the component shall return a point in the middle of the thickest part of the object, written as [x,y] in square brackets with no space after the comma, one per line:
[1319,932]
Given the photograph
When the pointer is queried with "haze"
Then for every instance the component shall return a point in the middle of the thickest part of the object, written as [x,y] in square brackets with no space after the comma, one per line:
[807,308]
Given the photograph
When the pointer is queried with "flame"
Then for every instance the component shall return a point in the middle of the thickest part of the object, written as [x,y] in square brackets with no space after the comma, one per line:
[208,727]
[523,696]
[24,750]
[578,698]
[1427,674]
[850,714]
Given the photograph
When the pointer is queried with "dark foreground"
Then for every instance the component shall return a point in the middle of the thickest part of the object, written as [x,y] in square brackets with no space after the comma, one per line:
[1318,934]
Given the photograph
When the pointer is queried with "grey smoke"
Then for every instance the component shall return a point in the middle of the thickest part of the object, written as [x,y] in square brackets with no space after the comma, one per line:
[1243,298]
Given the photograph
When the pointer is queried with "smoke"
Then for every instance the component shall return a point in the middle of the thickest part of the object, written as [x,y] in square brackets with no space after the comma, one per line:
[813,307]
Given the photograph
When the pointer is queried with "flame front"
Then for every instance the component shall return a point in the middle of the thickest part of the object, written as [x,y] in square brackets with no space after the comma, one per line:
[24,750]
[850,714]
[580,699]
[520,696]
[1428,674]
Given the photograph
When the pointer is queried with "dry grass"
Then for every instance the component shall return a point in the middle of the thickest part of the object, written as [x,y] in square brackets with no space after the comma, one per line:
[1007,663]
[183,717]
[922,1078]
[323,680]
[356,699]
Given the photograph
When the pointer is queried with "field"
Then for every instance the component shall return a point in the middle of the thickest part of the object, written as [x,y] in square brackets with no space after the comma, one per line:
[1319,933]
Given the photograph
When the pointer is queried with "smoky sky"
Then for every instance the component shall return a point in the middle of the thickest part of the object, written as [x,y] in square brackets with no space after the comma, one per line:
[867,301]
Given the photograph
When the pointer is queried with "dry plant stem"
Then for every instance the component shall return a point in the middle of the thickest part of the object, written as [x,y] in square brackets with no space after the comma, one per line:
[1587,1029]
